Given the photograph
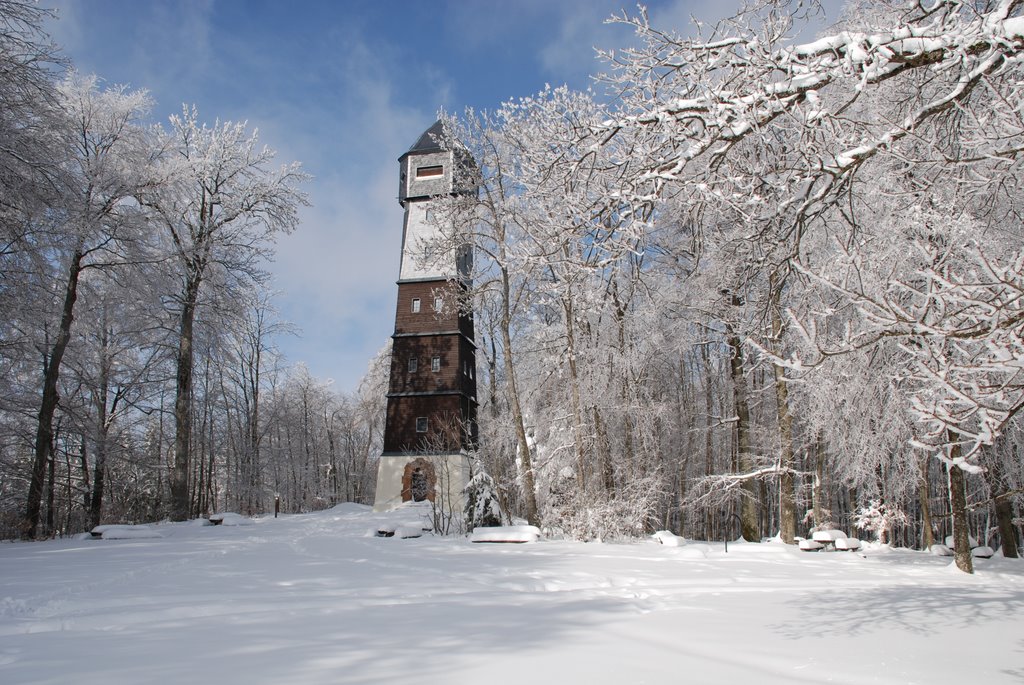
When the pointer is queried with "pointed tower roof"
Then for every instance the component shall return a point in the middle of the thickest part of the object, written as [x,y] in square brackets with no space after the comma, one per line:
[428,142]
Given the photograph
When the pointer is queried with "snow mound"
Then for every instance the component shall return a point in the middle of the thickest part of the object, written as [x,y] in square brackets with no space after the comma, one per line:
[409,531]
[125,532]
[516,534]
[983,552]
[669,539]
[350,508]
[940,550]
[971,540]
[694,552]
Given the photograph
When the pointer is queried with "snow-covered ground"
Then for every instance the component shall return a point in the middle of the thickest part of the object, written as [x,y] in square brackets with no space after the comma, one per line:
[312,599]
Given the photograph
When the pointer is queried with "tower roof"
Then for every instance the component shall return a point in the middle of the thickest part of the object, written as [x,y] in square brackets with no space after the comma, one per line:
[428,142]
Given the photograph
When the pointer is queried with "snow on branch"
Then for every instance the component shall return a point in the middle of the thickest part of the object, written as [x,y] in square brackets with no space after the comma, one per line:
[714,490]
[959,321]
[686,100]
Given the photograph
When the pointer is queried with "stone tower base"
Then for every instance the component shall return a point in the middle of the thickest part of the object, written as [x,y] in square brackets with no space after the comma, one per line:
[438,478]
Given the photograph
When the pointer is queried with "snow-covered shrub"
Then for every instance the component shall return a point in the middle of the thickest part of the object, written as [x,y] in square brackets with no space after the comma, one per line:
[879,518]
[627,513]
[481,497]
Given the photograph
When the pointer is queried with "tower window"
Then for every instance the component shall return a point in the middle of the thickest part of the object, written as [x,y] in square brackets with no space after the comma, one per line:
[438,304]
[415,305]
[421,424]
[429,171]
[414,364]
[435,364]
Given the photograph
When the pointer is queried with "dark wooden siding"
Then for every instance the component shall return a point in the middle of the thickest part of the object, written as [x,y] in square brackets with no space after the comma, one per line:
[445,424]
[446,397]
[426,320]
[449,378]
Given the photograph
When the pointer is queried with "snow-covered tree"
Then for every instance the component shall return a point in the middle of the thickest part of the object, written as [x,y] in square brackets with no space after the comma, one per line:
[902,122]
[482,507]
[219,207]
[108,163]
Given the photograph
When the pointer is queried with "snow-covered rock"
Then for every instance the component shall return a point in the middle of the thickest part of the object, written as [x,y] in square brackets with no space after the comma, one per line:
[983,552]
[940,550]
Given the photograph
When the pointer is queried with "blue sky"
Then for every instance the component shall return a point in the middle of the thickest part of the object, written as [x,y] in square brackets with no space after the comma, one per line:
[345,88]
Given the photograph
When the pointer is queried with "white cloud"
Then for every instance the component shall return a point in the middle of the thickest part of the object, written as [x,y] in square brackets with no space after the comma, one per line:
[338,270]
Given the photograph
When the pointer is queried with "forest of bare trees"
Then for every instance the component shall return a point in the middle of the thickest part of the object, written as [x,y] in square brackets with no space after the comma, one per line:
[140,378]
[752,287]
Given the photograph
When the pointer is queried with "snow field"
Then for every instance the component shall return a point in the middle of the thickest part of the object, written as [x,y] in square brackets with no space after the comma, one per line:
[316,599]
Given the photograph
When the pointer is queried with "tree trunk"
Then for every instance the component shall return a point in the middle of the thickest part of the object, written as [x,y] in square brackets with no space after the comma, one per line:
[924,496]
[492,373]
[102,430]
[604,453]
[1003,506]
[819,511]
[574,388]
[748,489]
[958,508]
[50,400]
[628,427]
[709,455]
[179,476]
[98,481]
[523,445]
[83,464]
[51,488]
[787,503]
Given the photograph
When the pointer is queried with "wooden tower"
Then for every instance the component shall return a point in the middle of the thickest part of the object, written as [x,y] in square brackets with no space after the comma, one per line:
[431,414]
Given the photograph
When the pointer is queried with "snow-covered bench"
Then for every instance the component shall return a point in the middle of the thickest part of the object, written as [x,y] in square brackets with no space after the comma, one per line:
[124,532]
[830,539]
[230,518]
[977,551]
[514,534]
[403,531]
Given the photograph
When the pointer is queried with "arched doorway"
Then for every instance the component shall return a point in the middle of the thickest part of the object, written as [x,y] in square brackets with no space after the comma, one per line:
[418,481]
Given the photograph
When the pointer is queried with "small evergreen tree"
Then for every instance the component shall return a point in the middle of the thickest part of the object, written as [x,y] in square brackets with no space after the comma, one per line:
[481,497]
